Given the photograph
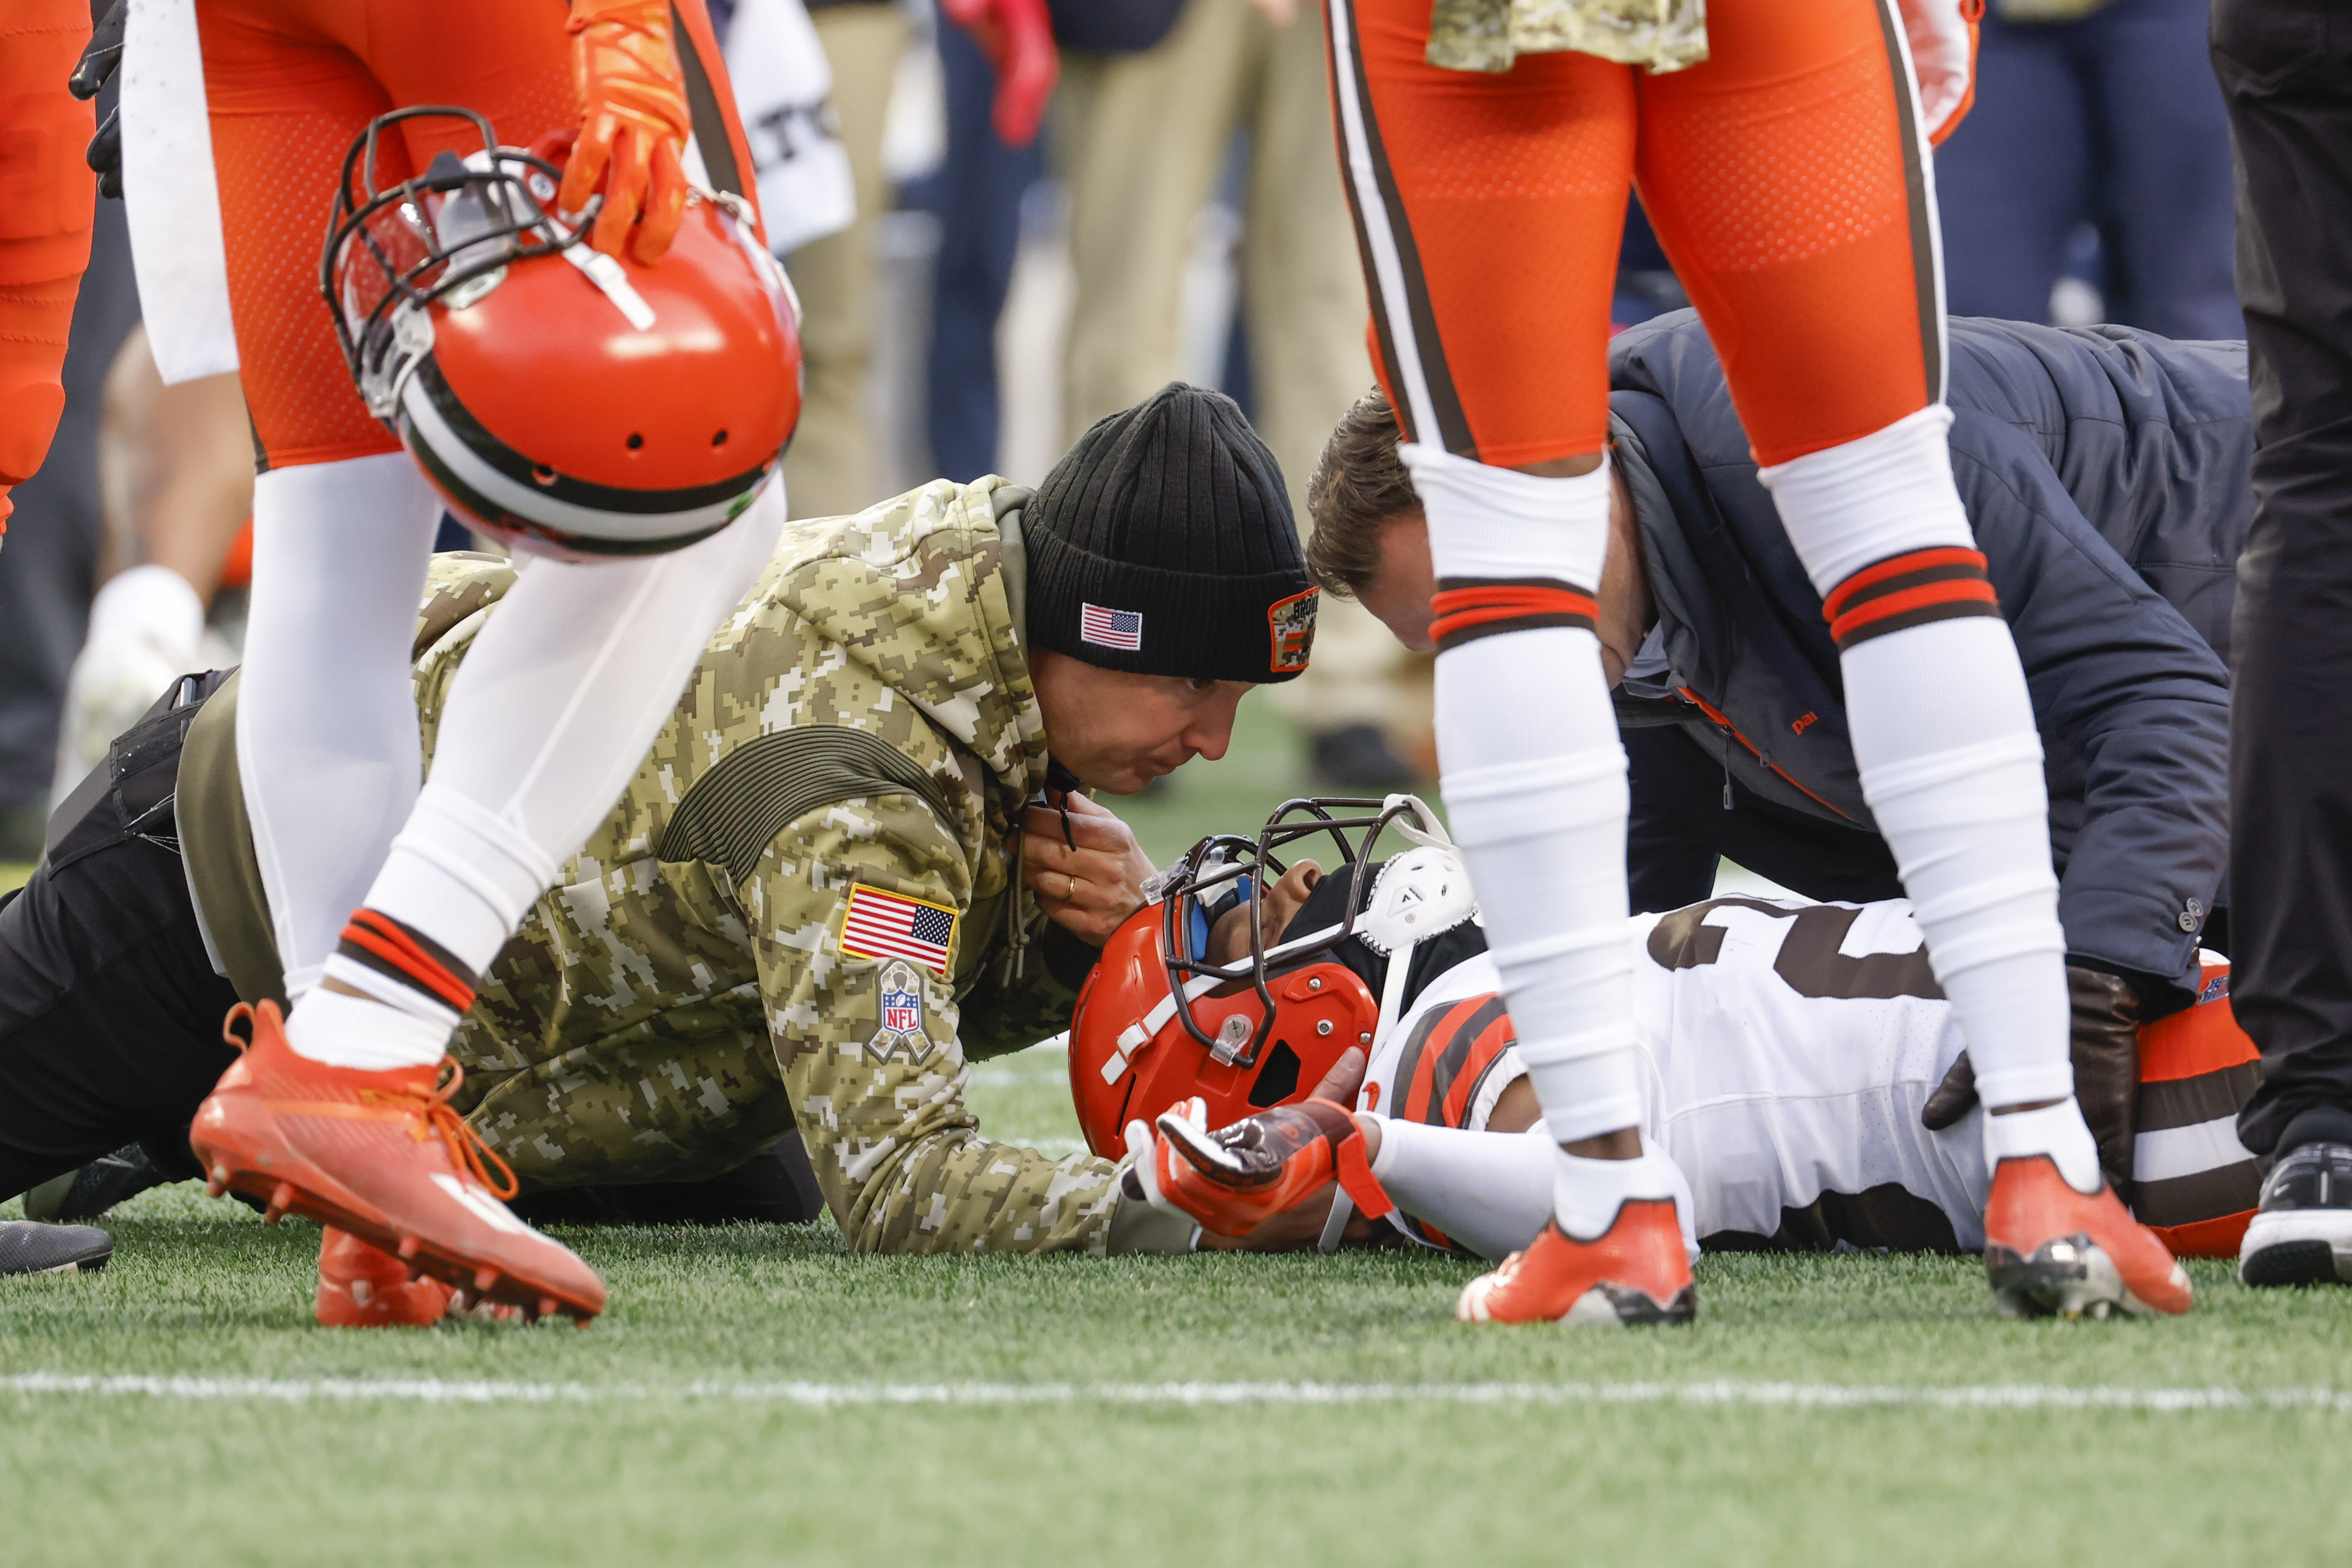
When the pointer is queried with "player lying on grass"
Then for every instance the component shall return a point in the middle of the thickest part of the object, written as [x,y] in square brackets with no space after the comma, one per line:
[2102,477]
[1803,1071]
[815,902]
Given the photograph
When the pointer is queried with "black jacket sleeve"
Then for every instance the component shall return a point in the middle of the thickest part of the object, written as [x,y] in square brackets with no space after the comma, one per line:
[2131,703]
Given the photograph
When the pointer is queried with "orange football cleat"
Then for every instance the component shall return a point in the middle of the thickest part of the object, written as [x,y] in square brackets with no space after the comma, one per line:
[384,1156]
[1636,1272]
[2051,1249]
[363,1287]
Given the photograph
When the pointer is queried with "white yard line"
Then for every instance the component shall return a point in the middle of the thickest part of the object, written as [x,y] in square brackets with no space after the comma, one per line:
[827,1396]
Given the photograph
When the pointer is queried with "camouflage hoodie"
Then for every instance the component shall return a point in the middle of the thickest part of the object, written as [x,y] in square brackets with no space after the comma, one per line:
[862,727]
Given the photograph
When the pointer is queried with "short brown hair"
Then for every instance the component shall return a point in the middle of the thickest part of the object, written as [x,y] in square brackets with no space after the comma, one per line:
[1359,484]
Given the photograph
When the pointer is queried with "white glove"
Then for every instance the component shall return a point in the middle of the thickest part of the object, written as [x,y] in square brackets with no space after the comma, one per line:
[1143,1150]
[146,630]
[1943,37]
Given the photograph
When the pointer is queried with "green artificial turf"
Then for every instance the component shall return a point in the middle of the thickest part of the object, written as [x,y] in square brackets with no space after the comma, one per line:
[1016,1411]
[663,1435]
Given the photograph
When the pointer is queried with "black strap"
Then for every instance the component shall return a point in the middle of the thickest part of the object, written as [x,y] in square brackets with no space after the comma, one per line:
[702,107]
[734,811]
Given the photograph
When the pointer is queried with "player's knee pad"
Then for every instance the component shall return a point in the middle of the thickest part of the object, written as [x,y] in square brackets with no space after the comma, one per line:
[1512,552]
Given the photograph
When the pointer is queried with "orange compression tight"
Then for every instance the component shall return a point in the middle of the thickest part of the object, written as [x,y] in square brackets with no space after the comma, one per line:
[47,198]
[291,84]
[1784,176]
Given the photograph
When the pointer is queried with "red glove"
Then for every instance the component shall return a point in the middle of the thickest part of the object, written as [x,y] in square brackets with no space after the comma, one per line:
[1018,39]
[633,122]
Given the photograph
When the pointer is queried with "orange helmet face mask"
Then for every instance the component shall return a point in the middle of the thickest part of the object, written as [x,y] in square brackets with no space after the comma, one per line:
[1158,1023]
[572,403]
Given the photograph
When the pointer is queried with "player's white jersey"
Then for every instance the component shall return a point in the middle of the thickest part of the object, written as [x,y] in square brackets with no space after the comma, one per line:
[1787,1048]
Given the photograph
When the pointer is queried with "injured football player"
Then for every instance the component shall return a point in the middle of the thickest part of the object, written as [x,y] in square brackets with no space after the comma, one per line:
[1801,1067]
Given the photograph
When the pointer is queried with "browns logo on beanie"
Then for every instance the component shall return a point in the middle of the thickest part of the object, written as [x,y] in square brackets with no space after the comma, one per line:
[1162,543]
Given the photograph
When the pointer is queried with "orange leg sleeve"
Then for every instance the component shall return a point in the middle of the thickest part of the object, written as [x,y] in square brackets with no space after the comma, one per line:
[1786,181]
[47,198]
[1489,210]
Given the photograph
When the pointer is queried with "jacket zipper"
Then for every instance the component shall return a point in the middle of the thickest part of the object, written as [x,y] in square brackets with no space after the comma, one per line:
[1731,730]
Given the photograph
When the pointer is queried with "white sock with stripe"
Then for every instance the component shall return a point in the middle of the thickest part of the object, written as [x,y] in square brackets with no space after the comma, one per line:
[1534,783]
[1944,734]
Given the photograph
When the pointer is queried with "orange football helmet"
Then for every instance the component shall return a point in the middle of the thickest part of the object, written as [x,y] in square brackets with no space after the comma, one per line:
[1158,1024]
[604,407]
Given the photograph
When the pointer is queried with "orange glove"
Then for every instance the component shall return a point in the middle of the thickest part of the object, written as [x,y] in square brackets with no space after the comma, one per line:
[1017,36]
[634,124]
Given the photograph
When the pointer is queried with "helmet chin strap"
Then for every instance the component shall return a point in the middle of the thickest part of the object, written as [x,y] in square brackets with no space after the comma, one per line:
[1392,1006]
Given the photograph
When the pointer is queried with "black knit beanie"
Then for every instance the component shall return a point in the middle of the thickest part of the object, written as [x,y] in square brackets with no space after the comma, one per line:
[1162,543]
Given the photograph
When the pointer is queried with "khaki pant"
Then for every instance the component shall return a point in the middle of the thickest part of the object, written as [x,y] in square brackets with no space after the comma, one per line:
[832,468]
[1141,139]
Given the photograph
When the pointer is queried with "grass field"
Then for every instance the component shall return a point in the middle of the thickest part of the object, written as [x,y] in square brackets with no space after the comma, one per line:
[756,1396]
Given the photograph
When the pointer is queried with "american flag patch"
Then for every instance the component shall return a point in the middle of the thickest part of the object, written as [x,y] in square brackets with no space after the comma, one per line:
[884,925]
[1111,628]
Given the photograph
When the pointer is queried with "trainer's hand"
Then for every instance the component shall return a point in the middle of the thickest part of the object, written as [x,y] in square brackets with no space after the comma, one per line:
[1089,883]
[634,124]
[2104,1043]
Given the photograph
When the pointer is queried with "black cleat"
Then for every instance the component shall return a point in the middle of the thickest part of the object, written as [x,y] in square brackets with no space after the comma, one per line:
[27,1247]
[2302,1231]
[97,1187]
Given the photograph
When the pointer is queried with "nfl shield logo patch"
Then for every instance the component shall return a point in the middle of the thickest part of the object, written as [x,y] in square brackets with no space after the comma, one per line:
[899,1003]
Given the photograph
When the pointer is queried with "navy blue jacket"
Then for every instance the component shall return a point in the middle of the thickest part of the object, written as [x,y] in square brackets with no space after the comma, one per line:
[2105,471]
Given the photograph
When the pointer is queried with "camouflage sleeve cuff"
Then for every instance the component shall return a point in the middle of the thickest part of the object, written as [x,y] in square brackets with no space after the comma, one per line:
[1137,1227]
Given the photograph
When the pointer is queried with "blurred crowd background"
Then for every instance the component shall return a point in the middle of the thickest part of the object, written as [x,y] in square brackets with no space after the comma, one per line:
[1178,216]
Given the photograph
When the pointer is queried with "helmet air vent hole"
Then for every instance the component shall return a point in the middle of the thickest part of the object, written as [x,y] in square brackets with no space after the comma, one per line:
[719,439]
[542,473]
[1278,1079]
[636,440]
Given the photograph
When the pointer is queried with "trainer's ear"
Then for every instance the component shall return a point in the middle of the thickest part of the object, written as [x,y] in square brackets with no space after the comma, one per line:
[1346,1077]
[1953,1096]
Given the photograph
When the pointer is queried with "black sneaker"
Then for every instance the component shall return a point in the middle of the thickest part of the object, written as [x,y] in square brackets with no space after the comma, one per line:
[26,1247]
[96,1187]
[2302,1231]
